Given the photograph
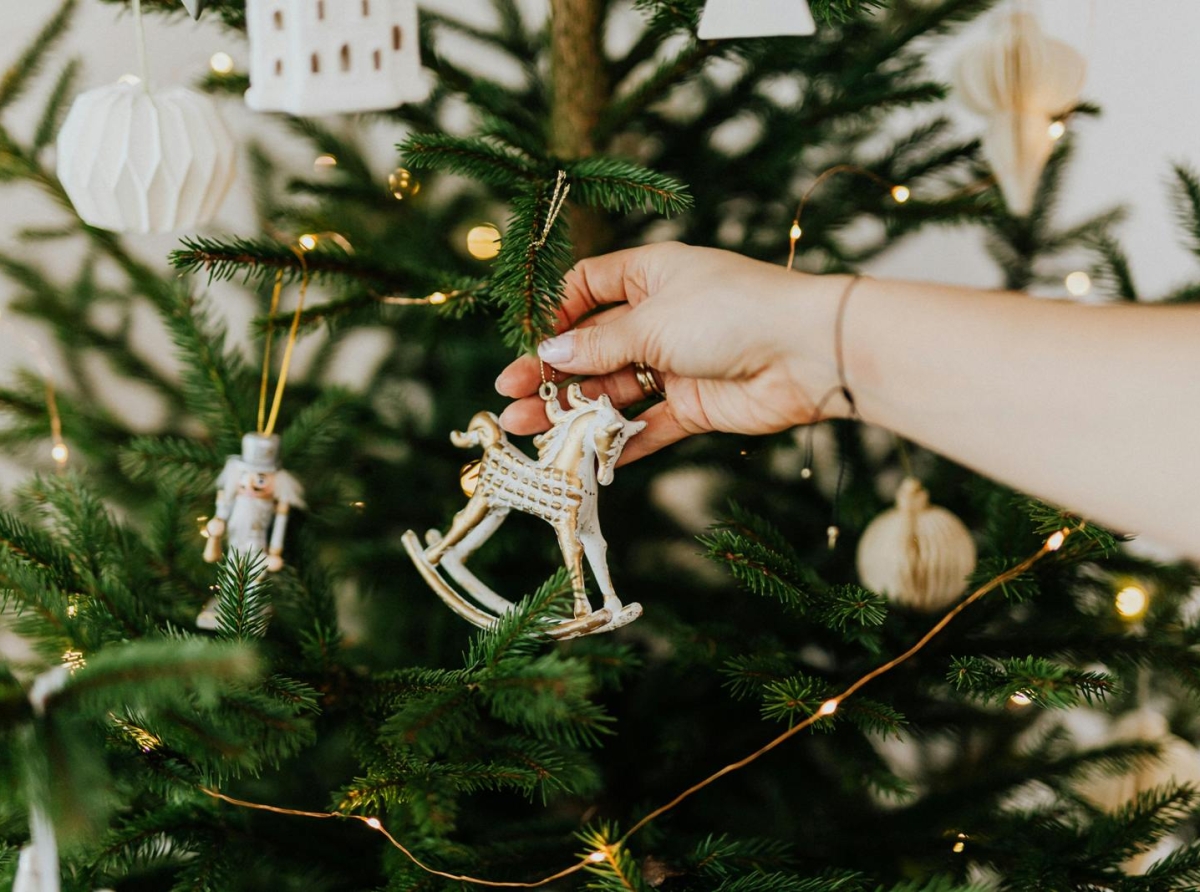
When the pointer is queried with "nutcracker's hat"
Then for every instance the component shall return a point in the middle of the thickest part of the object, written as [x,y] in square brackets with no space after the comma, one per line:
[260,452]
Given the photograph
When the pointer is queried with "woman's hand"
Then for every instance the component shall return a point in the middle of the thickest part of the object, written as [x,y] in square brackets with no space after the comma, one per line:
[739,345]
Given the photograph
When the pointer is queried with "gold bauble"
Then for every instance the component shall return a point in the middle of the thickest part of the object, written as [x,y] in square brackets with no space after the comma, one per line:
[403,184]
[917,554]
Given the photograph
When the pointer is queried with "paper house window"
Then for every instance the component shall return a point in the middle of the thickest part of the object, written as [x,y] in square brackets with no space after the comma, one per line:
[315,57]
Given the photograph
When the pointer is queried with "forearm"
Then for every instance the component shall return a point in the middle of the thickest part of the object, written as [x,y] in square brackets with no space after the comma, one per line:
[1096,408]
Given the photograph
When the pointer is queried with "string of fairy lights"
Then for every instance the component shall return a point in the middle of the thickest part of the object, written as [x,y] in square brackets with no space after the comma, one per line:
[609,850]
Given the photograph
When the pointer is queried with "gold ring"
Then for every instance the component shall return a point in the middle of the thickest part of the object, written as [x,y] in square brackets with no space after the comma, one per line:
[648,382]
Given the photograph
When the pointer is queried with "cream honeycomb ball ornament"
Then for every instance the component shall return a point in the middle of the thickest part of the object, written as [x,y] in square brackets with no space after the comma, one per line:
[137,160]
[917,554]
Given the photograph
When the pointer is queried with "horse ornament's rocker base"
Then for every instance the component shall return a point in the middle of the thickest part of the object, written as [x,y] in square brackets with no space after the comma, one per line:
[575,457]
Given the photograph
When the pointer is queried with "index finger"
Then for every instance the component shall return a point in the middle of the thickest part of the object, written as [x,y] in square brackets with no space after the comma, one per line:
[619,277]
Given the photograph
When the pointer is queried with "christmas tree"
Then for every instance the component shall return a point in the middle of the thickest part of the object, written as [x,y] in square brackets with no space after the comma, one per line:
[770,723]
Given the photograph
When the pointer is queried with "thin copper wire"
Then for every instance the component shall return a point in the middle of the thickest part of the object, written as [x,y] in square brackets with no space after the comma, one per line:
[39,357]
[829,707]
[376,825]
[816,184]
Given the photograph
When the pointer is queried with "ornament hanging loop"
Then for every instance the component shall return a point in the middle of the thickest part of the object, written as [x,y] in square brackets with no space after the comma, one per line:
[547,390]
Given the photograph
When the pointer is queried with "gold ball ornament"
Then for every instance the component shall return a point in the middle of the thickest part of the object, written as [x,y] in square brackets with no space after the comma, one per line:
[402,184]
[917,554]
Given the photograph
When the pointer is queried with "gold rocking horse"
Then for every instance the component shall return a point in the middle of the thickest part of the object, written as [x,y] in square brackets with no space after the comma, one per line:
[575,457]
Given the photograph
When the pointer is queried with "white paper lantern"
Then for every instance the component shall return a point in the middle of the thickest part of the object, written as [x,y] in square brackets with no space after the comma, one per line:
[133,160]
[1019,79]
[316,57]
[724,19]
[1178,761]
[917,554]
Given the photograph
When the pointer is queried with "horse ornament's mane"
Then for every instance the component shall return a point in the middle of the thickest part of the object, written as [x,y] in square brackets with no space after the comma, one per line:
[507,480]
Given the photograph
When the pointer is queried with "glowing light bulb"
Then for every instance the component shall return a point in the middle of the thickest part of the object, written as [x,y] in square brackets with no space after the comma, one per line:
[1057,130]
[438,297]
[60,453]
[483,242]
[322,162]
[72,610]
[829,707]
[806,473]
[1132,601]
[221,63]
[374,823]
[901,194]
[960,845]
[308,241]
[1056,540]
[1078,283]
[1020,698]
[832,533]
[596,857]
[796,232]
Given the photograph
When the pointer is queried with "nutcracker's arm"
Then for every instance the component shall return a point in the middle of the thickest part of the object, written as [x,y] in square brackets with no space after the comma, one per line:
[226,490]
[278,532]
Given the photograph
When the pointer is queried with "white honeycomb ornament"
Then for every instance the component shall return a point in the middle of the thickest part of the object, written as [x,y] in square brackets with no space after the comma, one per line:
[317,57]
[139,160]
[728,19]
[917,554]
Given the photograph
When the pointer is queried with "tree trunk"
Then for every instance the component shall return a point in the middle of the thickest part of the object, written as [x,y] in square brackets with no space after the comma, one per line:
[581,93]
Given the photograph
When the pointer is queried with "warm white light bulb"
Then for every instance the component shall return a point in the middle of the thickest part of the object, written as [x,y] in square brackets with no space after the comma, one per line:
[1058,130]
[60,453]
[1132,601]
[374,823]
[795,232]
[221,63]
[901,194]
[323,161]
[437,298]
[1078,283]
[829,707]
[1020,698]
[596,857]
[483,242]
[308,241]
[1056,540]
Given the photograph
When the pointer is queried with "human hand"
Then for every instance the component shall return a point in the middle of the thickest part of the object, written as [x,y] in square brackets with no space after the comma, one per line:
[740,346]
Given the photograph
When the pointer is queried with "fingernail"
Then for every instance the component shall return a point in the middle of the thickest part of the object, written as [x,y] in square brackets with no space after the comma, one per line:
[500,384]
[559,349]
[506,417]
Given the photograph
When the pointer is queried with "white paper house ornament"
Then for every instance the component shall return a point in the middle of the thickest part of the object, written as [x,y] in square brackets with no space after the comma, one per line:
[137,160]
[1019,79]
[724,19]
[316,57]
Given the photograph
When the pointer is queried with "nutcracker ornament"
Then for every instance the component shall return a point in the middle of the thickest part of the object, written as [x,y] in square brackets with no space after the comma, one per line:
[575,457]
[254,497]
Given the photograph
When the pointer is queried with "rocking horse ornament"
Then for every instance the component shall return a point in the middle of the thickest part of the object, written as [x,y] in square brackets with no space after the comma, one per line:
[575,457]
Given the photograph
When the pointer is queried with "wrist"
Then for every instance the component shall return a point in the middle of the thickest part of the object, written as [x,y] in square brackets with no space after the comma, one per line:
[810,333]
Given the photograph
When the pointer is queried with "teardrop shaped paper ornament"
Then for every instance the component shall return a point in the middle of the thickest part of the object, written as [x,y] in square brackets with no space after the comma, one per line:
[139,160]
[1019,80]
[724,19]
[917,554]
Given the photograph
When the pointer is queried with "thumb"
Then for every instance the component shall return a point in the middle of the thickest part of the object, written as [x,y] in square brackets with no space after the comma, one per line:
[595,349]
